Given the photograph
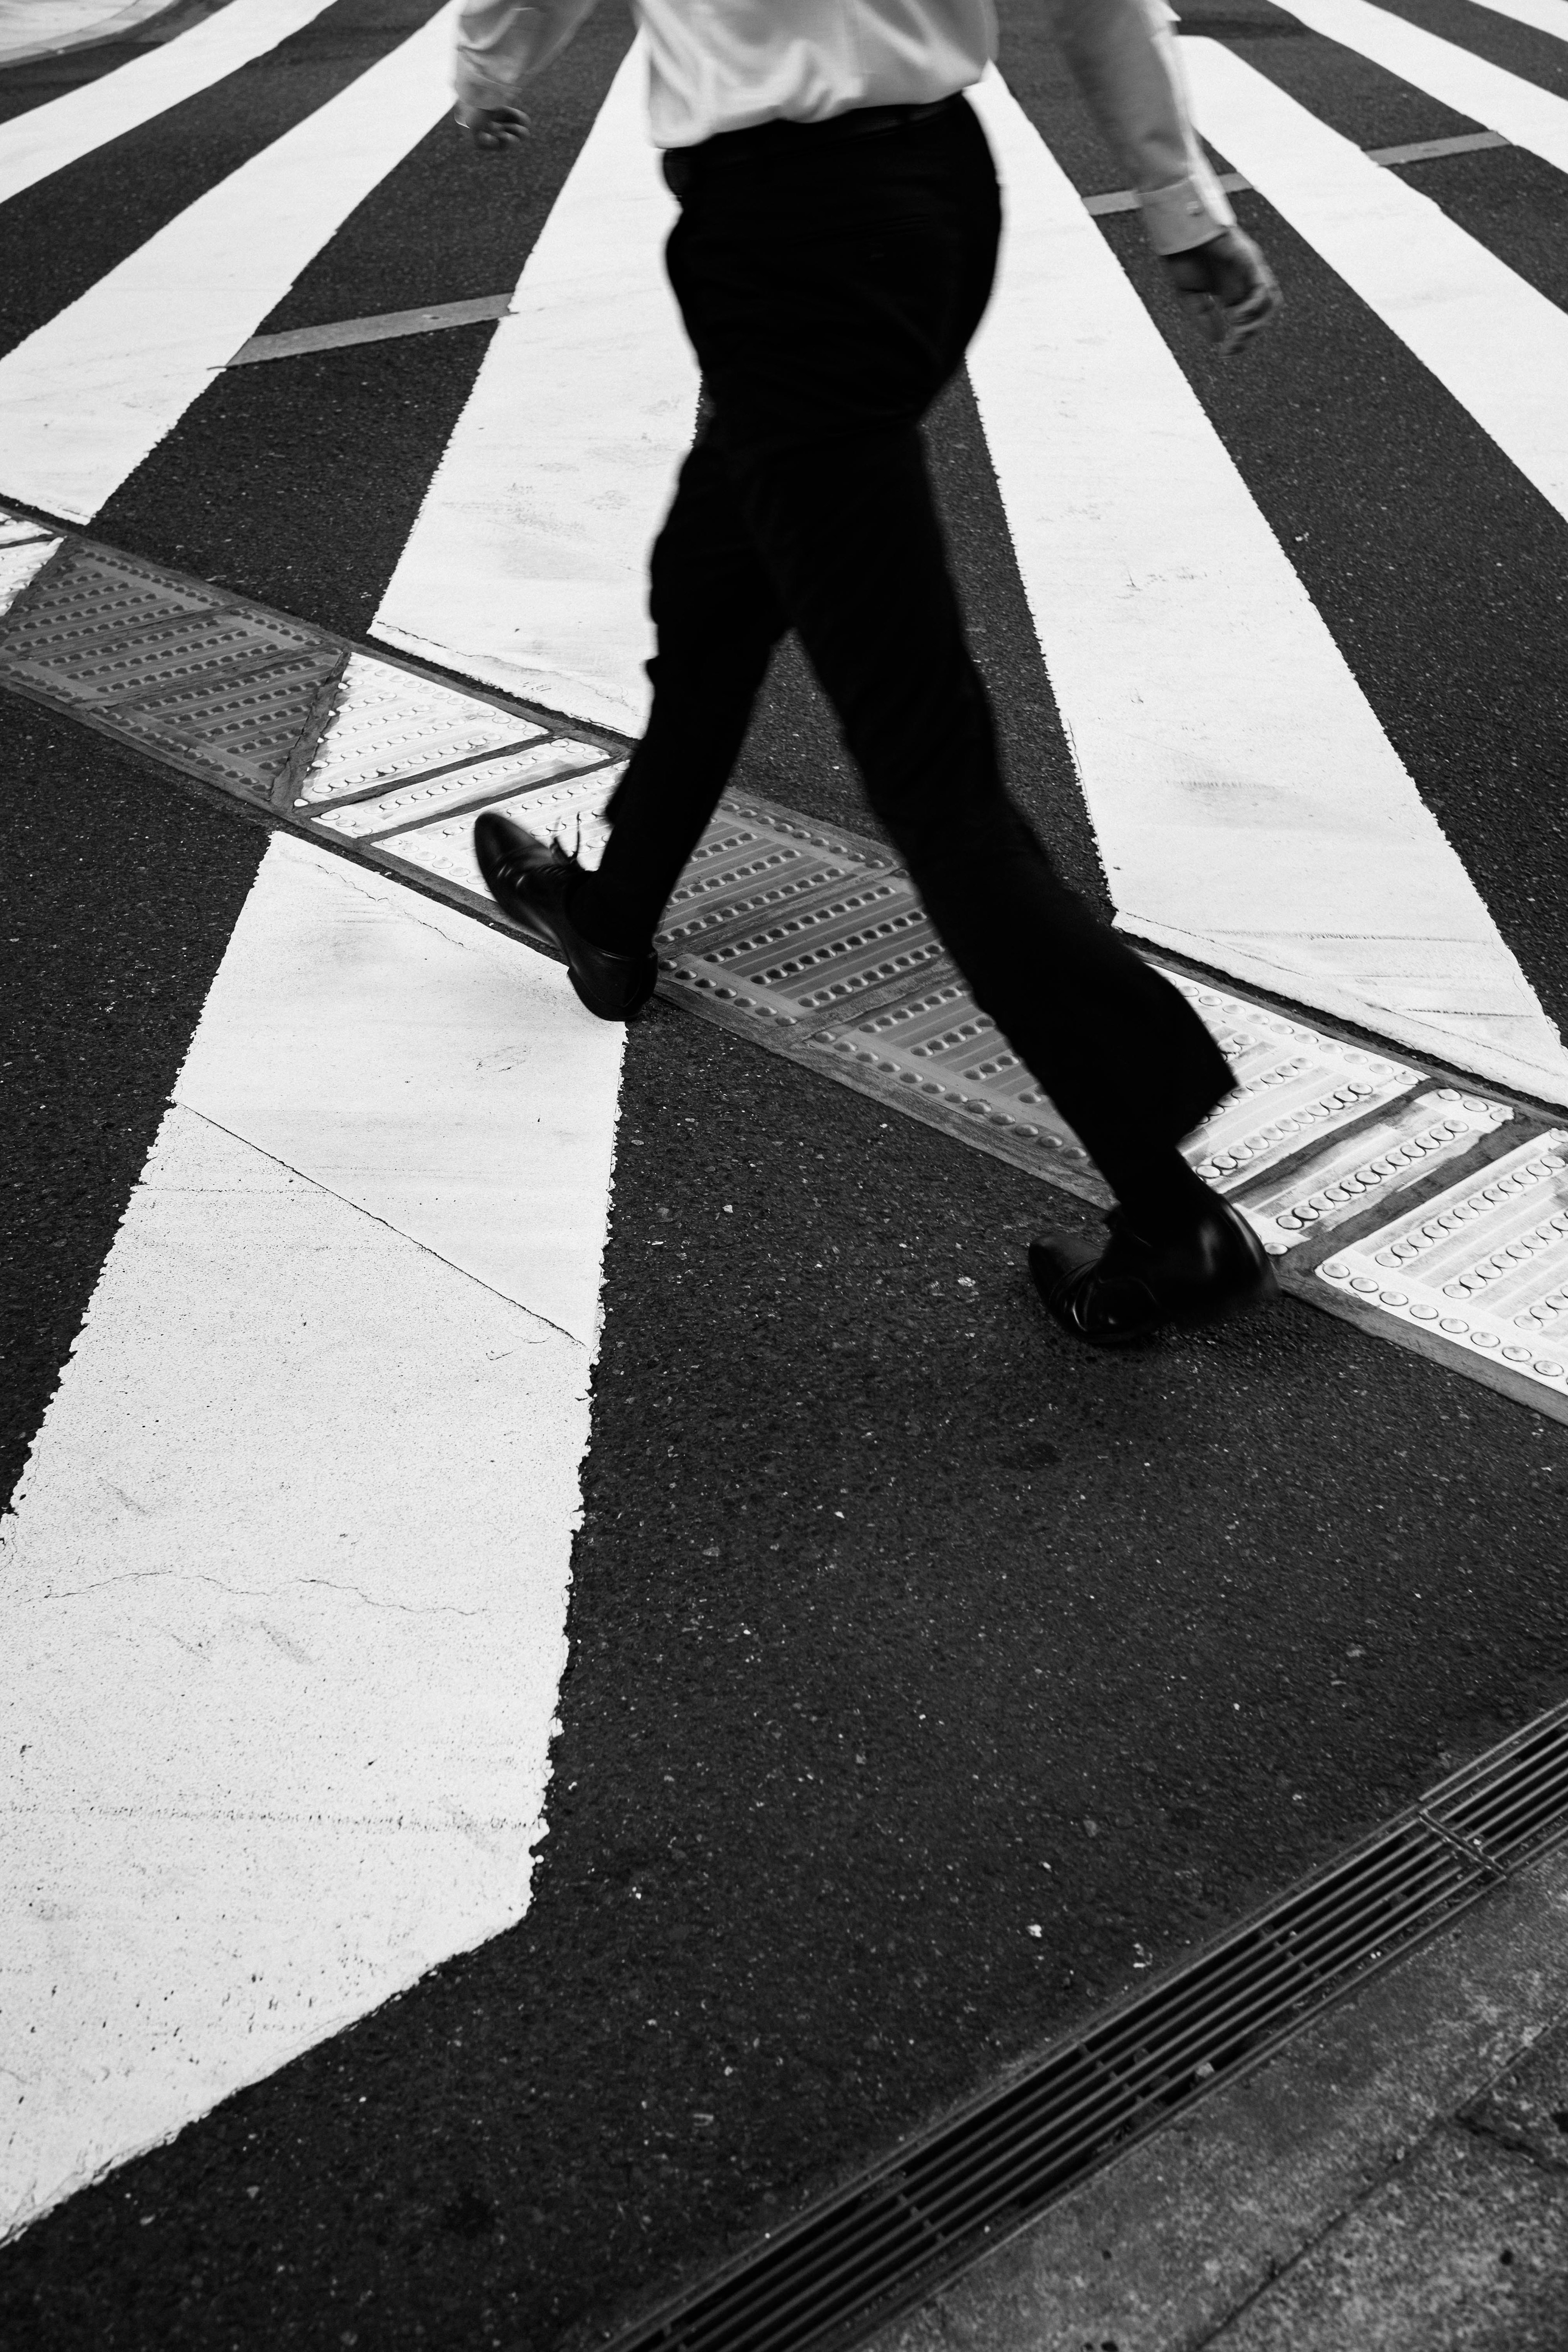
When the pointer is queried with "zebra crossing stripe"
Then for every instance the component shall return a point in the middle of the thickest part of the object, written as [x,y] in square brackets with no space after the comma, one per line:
[1527,116]
[1251,813]
[528,564]
[1491,339]
[1540,16]
[286,1578]
[89,394]
[62,131]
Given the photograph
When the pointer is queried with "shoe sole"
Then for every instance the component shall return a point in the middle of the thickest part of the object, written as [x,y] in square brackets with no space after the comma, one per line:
[619,1013]
[1264,1289]
[534,927]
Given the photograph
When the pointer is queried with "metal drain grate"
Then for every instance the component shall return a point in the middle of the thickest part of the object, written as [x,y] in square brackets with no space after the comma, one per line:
[884,2243]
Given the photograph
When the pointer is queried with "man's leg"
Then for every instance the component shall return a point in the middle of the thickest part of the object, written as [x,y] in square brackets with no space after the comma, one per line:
[850,533]
[716,619]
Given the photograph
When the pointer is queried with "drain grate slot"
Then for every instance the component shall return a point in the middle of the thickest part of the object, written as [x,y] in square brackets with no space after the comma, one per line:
[885,2242]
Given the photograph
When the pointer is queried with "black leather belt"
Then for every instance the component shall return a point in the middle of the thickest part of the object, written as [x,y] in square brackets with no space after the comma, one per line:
[780,137]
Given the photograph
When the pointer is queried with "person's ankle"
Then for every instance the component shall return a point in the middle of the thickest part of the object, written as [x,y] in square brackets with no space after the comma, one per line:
[590,926]
[1167,1214]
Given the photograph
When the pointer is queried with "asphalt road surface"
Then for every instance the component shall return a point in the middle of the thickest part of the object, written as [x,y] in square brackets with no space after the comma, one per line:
[926,1681]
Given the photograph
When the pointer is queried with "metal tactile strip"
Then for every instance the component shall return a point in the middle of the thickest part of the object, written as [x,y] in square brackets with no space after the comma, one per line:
[89,603]
[785,923]
[388,724]
[1352,1175]
[470,788]
[243,727]
[1293,1084]
[942,1047]
[119,663]
[445,851]
[1483,1266]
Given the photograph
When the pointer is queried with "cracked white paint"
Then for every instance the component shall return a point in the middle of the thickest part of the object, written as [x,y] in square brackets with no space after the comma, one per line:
[284,1590]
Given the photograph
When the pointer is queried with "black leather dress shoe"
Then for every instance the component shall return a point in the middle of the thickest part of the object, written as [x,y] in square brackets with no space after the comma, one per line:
[529,880]
[1133,1287]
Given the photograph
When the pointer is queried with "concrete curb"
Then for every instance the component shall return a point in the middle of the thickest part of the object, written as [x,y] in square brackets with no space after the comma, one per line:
[1336,2162]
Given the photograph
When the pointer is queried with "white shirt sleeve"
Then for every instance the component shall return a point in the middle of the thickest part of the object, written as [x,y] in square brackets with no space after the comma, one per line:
[501,44]
[1125,61]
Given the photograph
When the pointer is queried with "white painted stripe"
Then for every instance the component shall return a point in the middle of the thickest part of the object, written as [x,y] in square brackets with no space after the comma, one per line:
[1250,810]
[1500,348]
[44,28]
[1529,117]
[1540,16]
[90,394]
[285,1588]
[66,128]
[528,564]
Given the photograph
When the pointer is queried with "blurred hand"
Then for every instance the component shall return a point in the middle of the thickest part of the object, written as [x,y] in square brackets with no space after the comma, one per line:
[1226,288]
[493,127]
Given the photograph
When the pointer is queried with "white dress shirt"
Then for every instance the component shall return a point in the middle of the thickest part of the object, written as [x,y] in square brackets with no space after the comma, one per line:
[724,65]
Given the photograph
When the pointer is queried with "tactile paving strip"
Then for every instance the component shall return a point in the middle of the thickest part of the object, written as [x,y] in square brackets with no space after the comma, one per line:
[1370,1166]
[387,723]
[778,920]
[810,939]
[1294,1085]
[936,1054]
[1480,1272]
[468,789]
[445,851]
[939,1053]
[169,664]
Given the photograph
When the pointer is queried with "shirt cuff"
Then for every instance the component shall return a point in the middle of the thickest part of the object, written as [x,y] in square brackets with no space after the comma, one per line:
[476,88]
[1188,213]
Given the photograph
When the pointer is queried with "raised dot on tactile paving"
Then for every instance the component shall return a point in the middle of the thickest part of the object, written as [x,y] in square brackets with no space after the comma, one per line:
[1452,1323]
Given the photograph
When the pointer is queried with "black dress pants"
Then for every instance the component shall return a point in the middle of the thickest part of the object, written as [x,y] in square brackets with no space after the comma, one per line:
[830,277]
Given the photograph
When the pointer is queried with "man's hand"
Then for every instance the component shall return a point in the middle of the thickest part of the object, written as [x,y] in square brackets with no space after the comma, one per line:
[1227,287]
[492,128]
